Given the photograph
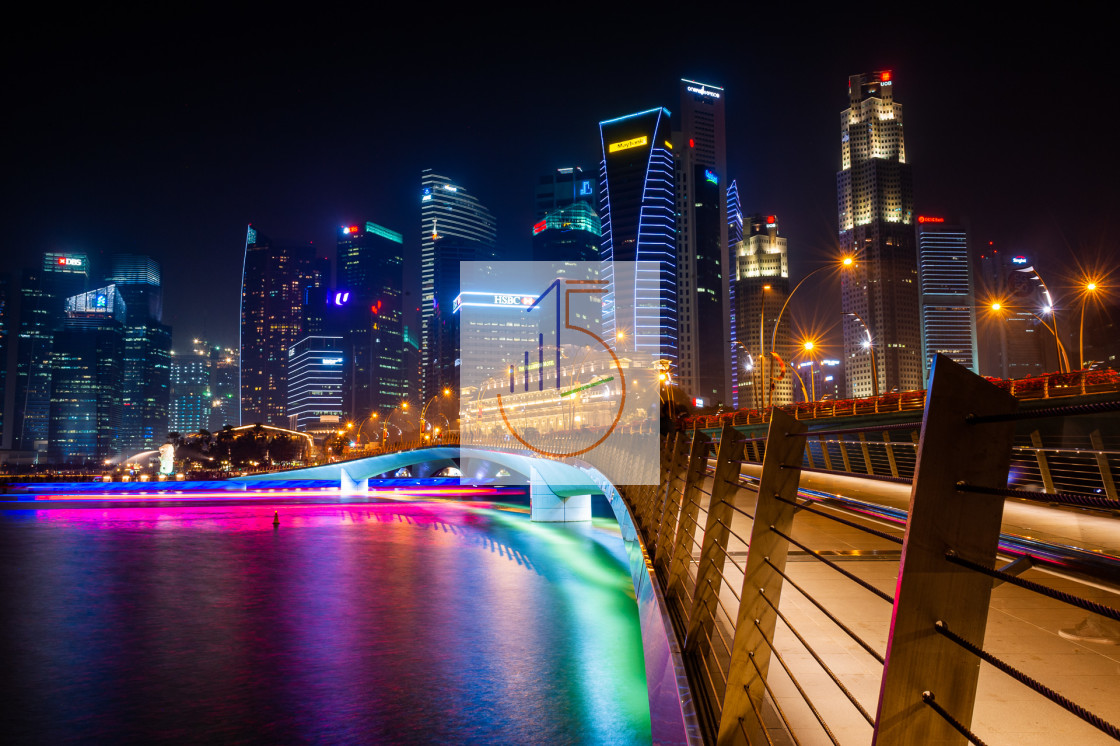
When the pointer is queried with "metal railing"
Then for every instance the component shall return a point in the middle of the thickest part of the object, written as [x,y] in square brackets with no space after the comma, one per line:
[721,545]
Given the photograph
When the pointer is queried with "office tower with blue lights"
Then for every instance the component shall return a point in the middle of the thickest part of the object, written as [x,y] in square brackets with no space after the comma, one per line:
[454,227]
[146,393]
[761,288]
[876,211]
[274,280]
[948,295]
[734,236]
[637,180]
[564,187]
[369,299]
[87,378]
[702,243]
[316,367]
[191,397]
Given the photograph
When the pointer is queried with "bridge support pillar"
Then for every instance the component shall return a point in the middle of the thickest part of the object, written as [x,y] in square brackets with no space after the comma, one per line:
[347,485]
[547,507]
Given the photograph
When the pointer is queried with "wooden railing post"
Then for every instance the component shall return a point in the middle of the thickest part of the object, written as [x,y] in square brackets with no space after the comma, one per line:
[1043,463]
[930,588]
[750,653]
[1102,464]
[656,511]
[709,573]
[687,517]
[890,454]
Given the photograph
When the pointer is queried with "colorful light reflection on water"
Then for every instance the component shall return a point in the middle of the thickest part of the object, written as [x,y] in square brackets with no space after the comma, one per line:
[439,622]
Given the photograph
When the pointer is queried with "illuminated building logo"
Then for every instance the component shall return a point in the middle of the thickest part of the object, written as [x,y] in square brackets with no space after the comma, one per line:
[634,142]
[100,301]
[341,297]
[69,261]
[927,219]
[539,227]
[585,189]
[514,300]
[1019,259]
[703,91]
[710,176]
[332,361]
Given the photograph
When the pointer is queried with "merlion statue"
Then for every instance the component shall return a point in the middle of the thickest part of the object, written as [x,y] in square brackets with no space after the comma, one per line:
[167,459]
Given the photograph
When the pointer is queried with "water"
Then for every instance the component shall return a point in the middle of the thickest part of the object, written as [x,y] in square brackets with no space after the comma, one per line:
[419,622]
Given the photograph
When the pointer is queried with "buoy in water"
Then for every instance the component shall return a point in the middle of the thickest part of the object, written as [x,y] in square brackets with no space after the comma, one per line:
[276,519]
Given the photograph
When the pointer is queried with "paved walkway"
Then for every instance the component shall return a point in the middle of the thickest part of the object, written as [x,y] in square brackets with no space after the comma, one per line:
[1022,626]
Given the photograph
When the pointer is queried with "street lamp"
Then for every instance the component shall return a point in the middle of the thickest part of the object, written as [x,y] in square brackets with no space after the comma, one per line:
[845,263]
[446,393]
[1088,289]
[869,344]
[1060,350]
[808,346]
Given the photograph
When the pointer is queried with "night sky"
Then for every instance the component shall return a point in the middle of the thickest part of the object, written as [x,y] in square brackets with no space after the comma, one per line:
[168,140]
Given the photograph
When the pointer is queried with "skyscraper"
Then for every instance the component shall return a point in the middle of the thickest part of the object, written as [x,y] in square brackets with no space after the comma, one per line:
[638,211]
[454,227]
[371,271]
[191,371]
[316,366]
[702,240]
[41,308]
[563,187]
[87,378]
[734,236]
[876,210]
[274,280]
[568,234]
[948,298]
[224,388]
[146,361]
[761,288]
[1014,340]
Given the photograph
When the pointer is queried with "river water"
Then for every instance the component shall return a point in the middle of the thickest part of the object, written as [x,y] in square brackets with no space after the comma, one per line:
[394,622]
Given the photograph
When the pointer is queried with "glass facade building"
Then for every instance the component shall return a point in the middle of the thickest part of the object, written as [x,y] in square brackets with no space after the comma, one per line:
[370,280]
[638,212]
[190,390]
[454,227]
[274,280]
[948,297]
[315,377]
[702,235]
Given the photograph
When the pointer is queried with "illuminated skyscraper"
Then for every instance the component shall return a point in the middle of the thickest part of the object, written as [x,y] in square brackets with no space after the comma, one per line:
[41,303]
[316,366]
[876,210]
[563,187]
[274,281]
[191,372]
[702,235]
[146,392]
[638,211]
[1014,342]
[761,288]
[568,234]
[87,378]
[370,284]
[948,300]
[454,226]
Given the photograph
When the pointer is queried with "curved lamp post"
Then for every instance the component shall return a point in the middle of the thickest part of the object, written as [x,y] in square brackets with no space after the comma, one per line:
[870,348]
[1088,289]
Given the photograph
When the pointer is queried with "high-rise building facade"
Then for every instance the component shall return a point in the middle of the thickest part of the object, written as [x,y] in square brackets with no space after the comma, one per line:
[146,393]
[369,296]
[316,366]
[191,397]
[761,288]
[274,281]
[948,297]
[875,202]
[454,227]
[84,420]
[41,299]
[568,234]
[702,241]
[563,187]
[1016,340]
[638,210]
[224,388]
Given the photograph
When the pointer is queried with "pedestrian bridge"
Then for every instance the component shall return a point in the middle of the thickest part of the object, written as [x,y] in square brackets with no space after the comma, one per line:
[557,491]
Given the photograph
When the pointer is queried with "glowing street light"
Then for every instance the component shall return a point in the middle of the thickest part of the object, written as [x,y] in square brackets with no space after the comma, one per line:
[868,345]
[1088,289]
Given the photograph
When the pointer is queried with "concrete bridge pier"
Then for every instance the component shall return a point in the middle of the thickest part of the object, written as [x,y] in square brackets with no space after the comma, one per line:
[546,506]
[347,485]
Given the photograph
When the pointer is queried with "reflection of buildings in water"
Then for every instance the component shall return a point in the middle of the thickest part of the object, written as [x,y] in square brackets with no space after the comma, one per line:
[587,400]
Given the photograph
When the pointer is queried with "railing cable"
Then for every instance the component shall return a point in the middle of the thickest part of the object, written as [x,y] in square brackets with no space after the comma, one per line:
[795,682]
[867,529]
[855,578]
[927,697]
[1063,498]
[1030,585]
[1030,414]
[775,701]
[1066,704]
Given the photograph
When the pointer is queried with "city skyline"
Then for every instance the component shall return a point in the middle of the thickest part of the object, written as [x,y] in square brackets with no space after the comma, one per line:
[183,155]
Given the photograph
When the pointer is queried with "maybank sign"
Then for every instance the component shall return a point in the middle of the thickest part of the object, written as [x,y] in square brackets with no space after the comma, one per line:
[634,142]
[703,91]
